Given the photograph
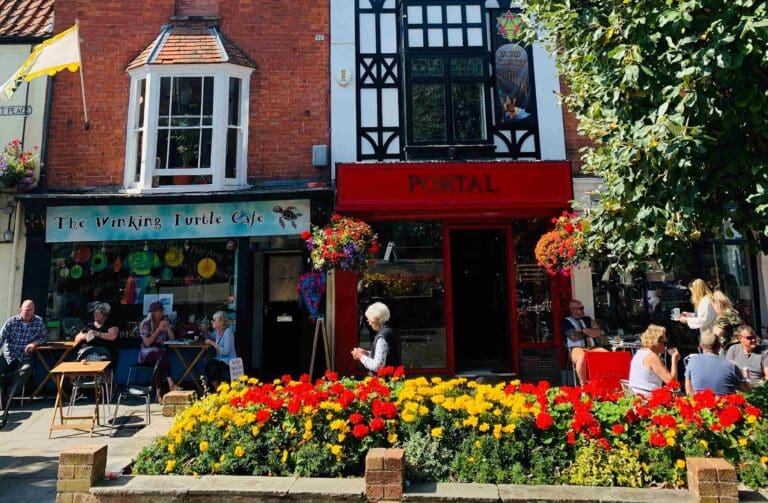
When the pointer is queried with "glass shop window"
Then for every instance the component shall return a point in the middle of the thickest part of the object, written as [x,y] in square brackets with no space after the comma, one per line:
[532,285]
[193,280]
[408,278]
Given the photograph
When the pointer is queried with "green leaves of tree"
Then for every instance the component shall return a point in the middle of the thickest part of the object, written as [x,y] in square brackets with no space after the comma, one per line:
[674,95]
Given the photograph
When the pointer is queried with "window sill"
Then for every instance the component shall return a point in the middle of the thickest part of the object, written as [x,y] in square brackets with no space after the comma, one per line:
[170,189]
[452,152]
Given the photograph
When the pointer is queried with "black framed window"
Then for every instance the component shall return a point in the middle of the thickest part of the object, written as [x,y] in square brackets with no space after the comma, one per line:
[447,72]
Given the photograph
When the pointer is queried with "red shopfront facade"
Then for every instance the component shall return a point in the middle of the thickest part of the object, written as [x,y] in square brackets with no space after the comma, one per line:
[456,264]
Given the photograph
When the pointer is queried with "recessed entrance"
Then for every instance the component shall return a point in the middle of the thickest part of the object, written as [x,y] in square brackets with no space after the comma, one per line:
[480,298]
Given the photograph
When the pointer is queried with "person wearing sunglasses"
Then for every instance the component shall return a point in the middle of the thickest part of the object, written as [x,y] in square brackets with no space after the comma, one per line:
[709,370]
[581,334]
[749,356]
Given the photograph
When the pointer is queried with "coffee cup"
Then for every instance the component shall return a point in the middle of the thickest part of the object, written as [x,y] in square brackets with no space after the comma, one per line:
[676,313]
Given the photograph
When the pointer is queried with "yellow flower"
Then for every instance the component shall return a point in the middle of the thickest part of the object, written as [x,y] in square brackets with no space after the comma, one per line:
[243,378]
[751,419]
[171,448]
[437,432]
[478,444]
[423,410]
[203,446]
[764,459]
[216,467]
[703,443]
[680,464]
[328,416]
[392,438]
[484,427]
[742,442]
[341,437]
[671,441]
[408,417]
[239,451]
[470,459]
[170,465]
[509,428]
[335,450]
[255,431]
[284,458]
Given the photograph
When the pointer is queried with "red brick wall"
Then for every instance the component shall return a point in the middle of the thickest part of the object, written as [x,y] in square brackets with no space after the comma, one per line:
[573,140]
[197,7]
[289,110]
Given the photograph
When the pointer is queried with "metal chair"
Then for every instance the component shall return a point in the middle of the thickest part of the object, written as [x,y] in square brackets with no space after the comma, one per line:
[101,384]
[134,391]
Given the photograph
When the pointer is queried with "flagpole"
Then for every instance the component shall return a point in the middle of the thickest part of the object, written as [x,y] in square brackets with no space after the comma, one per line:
[86,125]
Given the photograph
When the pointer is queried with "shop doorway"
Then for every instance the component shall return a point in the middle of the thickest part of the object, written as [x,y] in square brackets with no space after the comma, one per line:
[282,346]
[480,299]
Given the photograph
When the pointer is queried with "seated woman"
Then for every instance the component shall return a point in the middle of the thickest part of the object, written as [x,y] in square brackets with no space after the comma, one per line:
[98,335]
[222,339]
[154,331]
[647,372]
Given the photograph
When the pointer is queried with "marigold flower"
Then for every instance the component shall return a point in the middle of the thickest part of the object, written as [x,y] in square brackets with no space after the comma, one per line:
[239,451]
[170,465]
[203,446]
[437,432]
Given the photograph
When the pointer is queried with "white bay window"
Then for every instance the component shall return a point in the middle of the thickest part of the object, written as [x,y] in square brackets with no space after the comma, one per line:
[187,128]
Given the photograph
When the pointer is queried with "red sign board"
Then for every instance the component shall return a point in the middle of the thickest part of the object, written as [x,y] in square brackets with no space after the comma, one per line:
[516,189]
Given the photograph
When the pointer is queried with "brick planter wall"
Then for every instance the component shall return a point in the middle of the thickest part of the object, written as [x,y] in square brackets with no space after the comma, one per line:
[79,469]
[712,480]
[176,401]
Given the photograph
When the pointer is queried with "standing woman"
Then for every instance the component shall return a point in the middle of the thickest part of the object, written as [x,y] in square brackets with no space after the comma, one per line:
[727,322]
[385,350]
[155,330]
[701,298]
[222,339]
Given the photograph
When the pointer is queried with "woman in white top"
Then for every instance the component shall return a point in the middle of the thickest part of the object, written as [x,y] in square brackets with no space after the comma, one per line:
[701,298]
[647,372]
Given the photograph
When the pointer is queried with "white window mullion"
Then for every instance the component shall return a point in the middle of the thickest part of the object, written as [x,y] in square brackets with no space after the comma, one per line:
[130,136]
[150,136]
[219,137]
[242,155]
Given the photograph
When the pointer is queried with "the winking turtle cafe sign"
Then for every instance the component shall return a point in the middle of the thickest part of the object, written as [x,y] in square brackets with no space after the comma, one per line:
[65,224]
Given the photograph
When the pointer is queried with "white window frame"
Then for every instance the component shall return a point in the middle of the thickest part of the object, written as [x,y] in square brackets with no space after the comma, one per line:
[153,74]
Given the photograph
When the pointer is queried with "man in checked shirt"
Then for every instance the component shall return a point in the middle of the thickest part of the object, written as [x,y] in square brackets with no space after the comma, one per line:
[19,337]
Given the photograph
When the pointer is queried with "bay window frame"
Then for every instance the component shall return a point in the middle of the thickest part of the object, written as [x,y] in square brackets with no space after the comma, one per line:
[147,150]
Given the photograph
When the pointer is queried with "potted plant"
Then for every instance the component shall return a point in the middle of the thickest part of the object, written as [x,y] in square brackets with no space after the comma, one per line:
[346,243]
[17,167]
[565,246]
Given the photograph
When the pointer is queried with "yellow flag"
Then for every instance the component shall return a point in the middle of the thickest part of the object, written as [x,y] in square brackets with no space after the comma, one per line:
[48,58]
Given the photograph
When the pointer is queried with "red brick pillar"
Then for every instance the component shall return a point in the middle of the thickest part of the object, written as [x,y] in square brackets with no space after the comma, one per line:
[712,480]
[80,468]
[384,474]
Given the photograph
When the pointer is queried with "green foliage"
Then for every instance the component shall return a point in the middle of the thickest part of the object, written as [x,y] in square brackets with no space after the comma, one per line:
[758,396]
[674,95]
[595,466]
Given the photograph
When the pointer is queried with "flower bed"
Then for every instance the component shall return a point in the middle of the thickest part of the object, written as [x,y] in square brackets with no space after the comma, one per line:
[458,430]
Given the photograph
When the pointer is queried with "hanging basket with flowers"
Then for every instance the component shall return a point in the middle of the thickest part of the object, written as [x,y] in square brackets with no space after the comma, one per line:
[17,167]
[346,243]
[565,246]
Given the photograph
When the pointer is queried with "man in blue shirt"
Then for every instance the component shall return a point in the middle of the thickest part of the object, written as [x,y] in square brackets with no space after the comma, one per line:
[19,337]
[709,370]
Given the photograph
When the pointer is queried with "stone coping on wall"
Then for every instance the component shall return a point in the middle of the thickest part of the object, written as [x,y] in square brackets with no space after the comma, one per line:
[191,489]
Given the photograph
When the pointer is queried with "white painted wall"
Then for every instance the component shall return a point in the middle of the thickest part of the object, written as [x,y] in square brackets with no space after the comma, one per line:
[343,114]
[29,129]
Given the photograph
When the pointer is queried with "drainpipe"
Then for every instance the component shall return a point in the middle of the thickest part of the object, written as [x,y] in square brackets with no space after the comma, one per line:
[46,132]
[11,308]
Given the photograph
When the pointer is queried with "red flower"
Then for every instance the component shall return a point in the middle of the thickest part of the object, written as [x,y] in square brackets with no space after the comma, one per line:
[544,421]
[356,418]
[657,439]
[305,235]
[359,431]
[729,416]
[376,424]
[618,429]
[262,415]
[286,379]
[336,217]
[569,227]
[571,438]
[331,376]
[603,442]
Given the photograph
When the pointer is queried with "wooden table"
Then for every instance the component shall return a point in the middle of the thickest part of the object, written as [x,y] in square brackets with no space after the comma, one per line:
[65,347]
[72,370]
[201,348]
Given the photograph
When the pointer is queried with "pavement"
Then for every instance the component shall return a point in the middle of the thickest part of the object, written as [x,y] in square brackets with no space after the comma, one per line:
[29,460]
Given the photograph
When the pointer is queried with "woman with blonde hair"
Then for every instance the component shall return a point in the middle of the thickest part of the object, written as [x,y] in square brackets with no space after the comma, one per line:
[701,298]
[727,321]
[647,372]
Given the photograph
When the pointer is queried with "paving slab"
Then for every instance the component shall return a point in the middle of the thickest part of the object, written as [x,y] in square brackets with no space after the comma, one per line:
[326,489]
[580,494]
[232,484]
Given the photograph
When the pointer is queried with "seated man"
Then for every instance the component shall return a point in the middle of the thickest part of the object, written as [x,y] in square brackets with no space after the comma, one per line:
[19,337]
[99,334]
[581,333]
[749,356]
[709,370]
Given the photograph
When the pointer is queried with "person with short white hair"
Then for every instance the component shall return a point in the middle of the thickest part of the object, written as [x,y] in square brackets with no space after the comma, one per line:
[581,334]
[709,370]
[749,356]
[222,339]
[385,350]
[647,372]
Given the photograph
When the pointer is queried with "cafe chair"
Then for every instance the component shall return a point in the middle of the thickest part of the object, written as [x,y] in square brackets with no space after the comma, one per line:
[136,392]
[628,392]
[101,384]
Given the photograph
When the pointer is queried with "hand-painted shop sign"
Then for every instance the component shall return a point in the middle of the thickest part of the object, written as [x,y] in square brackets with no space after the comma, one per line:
[471,189]
[8,110]
[175,221]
